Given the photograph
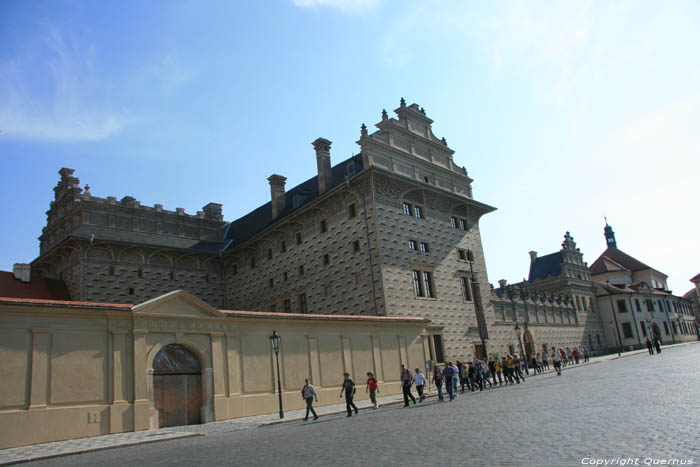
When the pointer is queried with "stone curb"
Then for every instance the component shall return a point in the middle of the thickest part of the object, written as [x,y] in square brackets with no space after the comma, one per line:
[31,458]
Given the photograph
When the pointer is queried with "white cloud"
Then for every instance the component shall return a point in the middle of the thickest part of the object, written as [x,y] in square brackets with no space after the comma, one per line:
[343,5]
[49,92]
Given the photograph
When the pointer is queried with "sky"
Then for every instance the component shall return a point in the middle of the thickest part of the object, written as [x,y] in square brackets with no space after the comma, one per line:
[562,112]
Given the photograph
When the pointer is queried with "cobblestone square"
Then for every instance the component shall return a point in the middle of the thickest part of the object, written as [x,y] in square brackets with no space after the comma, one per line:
[640,408]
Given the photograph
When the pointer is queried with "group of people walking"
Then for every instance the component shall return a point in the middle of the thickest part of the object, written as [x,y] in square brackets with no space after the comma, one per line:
[509,369]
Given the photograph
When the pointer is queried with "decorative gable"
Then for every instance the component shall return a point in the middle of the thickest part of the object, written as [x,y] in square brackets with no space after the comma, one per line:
[177,304]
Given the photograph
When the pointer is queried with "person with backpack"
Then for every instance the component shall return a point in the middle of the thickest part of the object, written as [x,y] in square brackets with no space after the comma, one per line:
[349,390]
[406,383]
[437,379]
[448,374]
[373,388]
[308,393]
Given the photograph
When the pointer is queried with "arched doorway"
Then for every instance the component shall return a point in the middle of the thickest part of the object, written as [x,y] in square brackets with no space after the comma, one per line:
[528,343]
[177,386]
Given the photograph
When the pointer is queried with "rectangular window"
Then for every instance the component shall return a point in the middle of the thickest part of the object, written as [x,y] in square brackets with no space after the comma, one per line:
[358,279]
[418,211]
[424,247]
[252,262]
[270,282]
[428,284]
[300,269]
[301,303]
[650,305]
[644,330]
[412,244]
[284,276]
[326,260]
[356,246]
[132,291]
[462,225]
[139,273]
[287,306]
[269,253]
[666,328]
[298,238]
[621,306]
[466,289]
[638,305]
[417,284]
[627,331]
[323,226]
[453,222]
[234,269]
[327,291]
[112,270]
[352,212]
[283,246]
[439,354]
[407,209]
[273,308]
[462,255]
[172,275]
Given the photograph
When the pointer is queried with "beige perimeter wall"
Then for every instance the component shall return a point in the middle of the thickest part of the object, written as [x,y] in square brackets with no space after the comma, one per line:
[71,370]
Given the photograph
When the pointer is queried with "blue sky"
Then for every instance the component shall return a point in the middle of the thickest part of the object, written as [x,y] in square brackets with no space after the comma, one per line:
[562,112]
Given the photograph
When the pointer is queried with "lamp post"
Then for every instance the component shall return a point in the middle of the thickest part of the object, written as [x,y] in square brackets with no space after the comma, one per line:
[275,340]
[617,328]
[476,296]
[517,332]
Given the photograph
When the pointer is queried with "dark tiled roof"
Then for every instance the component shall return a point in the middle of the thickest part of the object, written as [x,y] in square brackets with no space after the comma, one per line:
[545,266]
[38,288]
[261,218]
[695,279]
[690,294]
[629,263]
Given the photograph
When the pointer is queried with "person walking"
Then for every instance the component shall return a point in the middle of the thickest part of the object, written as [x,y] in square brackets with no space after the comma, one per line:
[437,379]
[533,364]
[650,348]
[523,364]
[540,368]
[657,344]
[349,390]
[556,361]
[569,356]
[499,371]
[518,368]
[406,383]
[308,393]
[420,384]
[492,370]
[448,374]
[373,388]
[583,354]
[575,354]
[545,362]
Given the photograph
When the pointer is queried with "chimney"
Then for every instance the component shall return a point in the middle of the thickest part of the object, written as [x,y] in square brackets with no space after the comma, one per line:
[533,257]
[503,283]
[22,272]
[277,183]
[323,161]
[213,212]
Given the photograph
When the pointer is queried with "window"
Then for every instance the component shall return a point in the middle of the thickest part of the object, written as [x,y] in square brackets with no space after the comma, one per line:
[453,222]
[462,255]
[270,282]
[423,284]
[358,279]
[597,338]
[234,269]
[644,330]
[466,289]
[356,246]
[301,303]
[627,331]
[426,179]
[424,247]
[269,253]
[252,262]
[621,306]
[407,209]
[323,226]
[112,270]
[283,246]
[326,260]
[297,236]
[273,308]
[418,211]
[139,273]
[638,305]
[284,276]
[131,292]
[172,275]
[300,269]
[666,328]
[650,305]
[412,244]
[327,291]
[439,353]
[352,212]
[462,225]
[287,305]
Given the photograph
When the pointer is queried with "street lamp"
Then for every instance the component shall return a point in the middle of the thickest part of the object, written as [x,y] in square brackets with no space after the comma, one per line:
[275,340]
[517,332]
[617,328]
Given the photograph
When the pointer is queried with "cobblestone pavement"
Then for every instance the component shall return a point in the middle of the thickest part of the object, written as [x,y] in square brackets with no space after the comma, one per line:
[640,407]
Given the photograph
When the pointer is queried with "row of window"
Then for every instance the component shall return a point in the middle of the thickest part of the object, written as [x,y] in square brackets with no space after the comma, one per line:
[651,306]
[418,246]
[458,222]
[416,211]
[423,285]
[302,306]
[685,329]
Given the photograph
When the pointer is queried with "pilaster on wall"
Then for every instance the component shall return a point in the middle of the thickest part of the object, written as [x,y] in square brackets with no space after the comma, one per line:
[40,382]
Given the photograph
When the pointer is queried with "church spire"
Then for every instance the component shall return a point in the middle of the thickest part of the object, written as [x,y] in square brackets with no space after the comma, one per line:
[609,235]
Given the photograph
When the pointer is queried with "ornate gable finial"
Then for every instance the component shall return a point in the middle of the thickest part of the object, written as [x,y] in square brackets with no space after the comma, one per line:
[422,110]
[568,243]
[385,116]
[444,141]
[363,130]
[403,103]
